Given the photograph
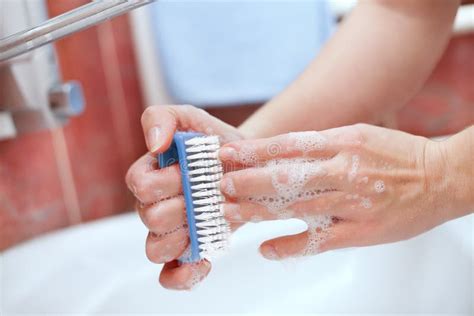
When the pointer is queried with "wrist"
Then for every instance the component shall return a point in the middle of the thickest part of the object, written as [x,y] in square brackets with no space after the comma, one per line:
[459,153]
[449,178]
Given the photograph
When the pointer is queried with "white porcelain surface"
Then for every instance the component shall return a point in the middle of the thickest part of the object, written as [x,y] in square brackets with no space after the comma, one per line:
[101,267]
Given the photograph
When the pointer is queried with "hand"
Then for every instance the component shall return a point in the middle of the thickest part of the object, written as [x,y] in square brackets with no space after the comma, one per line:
[159,193]
[354,186]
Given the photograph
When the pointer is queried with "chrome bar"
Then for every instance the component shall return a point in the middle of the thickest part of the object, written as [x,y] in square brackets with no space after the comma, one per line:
[65,24]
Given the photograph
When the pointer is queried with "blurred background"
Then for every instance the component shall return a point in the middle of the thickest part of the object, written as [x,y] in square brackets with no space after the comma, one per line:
[70,111]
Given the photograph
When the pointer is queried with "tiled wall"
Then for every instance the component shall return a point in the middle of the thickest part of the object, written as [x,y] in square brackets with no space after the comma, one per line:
[56,178]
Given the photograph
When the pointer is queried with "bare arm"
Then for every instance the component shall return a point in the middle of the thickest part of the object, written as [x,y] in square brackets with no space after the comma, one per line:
[378,59]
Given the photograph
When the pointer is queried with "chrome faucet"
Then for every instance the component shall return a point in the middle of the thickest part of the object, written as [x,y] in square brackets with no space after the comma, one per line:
[65,24]
[32,94]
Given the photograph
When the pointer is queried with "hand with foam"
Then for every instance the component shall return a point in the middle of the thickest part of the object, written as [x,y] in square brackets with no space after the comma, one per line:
[354,186]
[159,193]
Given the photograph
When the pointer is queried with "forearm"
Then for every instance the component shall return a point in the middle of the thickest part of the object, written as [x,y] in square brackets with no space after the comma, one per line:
[378,59]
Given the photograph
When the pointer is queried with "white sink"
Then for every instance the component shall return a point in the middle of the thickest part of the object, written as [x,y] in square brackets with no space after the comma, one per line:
[101,268]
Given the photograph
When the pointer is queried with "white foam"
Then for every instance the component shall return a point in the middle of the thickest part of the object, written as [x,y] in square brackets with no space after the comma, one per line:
[296,173]
[247,155]
[354,168]
[318,231]
[308,141]
[289,178]
[379,186]
[229,187]
[197,275]
[366,202]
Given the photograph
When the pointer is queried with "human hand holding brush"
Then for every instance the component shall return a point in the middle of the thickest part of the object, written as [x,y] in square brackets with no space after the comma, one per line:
[159,191]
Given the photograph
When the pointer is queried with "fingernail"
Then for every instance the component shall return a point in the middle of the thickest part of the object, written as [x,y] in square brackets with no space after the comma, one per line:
[269,252]
[232,212]
[154,141]
[228,153]
[227,186]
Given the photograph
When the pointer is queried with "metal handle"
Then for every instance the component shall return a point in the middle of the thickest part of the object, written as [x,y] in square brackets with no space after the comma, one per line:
[65,24]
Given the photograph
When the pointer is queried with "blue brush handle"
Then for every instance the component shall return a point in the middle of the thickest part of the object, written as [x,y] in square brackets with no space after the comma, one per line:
[176,153]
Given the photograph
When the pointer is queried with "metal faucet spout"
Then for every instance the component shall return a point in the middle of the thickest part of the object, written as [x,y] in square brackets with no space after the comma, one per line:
[65,24]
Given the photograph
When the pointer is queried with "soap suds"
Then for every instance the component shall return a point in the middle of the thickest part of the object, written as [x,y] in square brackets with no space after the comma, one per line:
[289,177]
[308,141]
[318,231]
[286,214]
[366,203]
[296,173]
[229,187]
[247,155]
[379,186]
[354,168]
[197,275]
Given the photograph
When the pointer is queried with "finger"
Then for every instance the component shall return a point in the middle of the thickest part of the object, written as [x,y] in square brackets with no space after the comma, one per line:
[271,208]
[149,184]
[166,247]
[164,216]
[161,122]
[185,276]
[285,178]
[313,241]
[321,145]
[243,212]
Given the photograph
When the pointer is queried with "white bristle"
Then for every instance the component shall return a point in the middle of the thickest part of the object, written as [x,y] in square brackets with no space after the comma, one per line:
[206,208]
[209,200]
[203,155]
[213,246]
[204,163]
[203,186]
[198,149]
[212,222]
[214,230]
[211,170]
[212,238]
[202,140]
[209,215]
[205,173]
[206,193]
[206,178]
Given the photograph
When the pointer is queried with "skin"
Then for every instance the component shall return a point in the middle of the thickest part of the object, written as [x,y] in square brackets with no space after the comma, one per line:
[379,69]
[399,188]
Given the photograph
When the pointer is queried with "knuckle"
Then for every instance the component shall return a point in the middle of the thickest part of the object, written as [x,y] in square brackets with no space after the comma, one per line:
[140,187]
[151,219]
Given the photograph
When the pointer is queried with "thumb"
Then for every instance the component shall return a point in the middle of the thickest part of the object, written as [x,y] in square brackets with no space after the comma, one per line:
[160,122]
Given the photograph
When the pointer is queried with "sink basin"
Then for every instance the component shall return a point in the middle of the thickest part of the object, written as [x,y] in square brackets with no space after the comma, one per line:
[101,267]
